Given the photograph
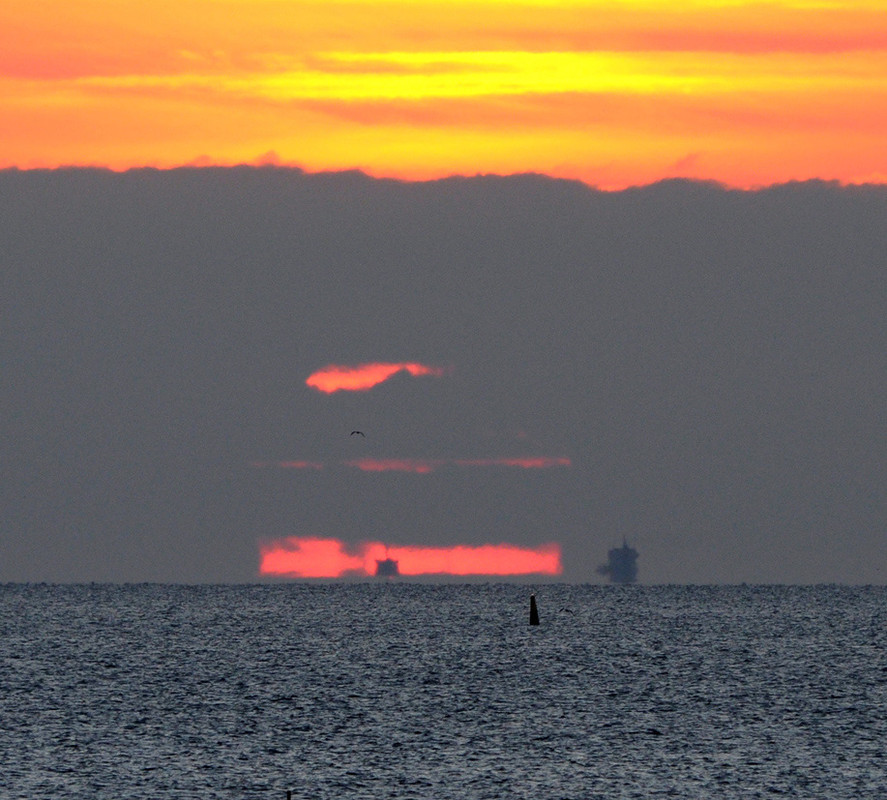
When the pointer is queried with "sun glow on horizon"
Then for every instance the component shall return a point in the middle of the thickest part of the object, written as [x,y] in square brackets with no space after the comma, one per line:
[614,93]
[309,557]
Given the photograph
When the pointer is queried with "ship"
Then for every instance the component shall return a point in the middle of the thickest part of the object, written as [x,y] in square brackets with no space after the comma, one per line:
[386,568]
[622,564]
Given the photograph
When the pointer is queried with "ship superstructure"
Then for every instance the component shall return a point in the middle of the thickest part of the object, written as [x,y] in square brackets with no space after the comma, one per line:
[622,564]
[386,568]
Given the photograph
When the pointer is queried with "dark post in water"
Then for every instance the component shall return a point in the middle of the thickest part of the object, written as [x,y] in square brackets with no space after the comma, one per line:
[534,612]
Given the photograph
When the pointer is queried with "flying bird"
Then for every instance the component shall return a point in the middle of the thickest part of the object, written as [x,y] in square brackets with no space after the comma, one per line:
[359,433]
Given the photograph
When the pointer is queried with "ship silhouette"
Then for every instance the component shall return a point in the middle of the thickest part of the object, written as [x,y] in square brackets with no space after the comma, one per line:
[622,564]
[386,568]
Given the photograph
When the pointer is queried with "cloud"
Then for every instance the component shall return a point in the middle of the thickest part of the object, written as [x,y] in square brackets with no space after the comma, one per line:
[298,557]
[417,465]
[425,465]
[711,360]
[287,464]
[525,462]
[499,87]
[362,377]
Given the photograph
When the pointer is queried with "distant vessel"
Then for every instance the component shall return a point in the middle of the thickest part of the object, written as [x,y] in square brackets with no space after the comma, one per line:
[386,568]
[622,564]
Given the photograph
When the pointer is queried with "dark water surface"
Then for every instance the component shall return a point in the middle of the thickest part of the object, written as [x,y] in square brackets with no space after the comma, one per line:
[416,691]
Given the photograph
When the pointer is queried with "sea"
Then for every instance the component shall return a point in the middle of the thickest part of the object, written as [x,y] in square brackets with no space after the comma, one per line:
[403,690]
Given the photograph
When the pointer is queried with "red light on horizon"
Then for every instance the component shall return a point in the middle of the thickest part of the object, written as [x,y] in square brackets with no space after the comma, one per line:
[362,377]
[297,557]
[488,559]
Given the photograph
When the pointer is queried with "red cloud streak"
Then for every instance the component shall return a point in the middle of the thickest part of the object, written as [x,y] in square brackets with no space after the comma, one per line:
[418,465]
[426,465]
[297,557]
[423,466]
[525,462]
[362,377]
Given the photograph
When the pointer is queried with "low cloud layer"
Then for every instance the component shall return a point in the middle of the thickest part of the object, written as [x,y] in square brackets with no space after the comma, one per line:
[711,363]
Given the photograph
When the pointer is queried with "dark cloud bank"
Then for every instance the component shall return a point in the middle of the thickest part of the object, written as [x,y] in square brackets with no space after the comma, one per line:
[712,361]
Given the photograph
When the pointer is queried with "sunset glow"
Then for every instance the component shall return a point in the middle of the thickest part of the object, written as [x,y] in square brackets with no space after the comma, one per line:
[615,92]
[361,377]
[296,557]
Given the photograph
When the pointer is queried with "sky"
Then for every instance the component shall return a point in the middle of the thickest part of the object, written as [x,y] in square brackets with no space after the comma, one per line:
[532,364]
[483,288]
[615,94]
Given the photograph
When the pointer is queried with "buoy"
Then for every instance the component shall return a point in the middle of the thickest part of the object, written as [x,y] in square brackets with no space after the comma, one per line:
[534,612]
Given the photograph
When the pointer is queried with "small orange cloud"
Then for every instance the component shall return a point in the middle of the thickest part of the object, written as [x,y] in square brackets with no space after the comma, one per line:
[360,378]
[297,557]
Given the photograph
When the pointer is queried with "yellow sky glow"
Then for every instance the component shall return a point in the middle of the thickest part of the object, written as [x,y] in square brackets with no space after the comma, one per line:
[615,93]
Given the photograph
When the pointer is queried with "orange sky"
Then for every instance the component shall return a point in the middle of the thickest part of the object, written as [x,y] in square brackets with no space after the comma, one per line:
[614,93]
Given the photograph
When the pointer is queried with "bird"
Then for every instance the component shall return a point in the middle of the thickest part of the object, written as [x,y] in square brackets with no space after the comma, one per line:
[359,433]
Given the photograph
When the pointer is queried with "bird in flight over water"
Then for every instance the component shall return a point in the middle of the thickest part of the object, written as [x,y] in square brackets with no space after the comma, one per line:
[358,433]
